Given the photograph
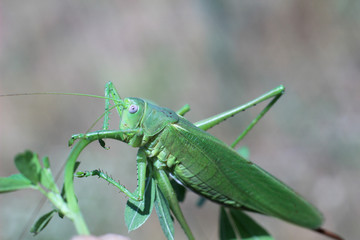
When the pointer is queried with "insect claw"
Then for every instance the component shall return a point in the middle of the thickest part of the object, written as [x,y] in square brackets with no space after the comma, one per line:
[71,142]
[80,174]
[74,138]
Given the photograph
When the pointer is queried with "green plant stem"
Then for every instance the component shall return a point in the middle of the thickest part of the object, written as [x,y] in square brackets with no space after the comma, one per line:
[84,140]
[76,215]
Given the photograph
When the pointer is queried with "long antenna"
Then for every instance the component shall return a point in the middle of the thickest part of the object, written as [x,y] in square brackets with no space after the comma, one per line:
[53,93]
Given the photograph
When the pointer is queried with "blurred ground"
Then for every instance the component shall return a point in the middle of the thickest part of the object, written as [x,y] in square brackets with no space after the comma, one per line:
[213,55]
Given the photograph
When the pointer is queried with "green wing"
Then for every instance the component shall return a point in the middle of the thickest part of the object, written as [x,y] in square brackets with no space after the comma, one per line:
[211,168]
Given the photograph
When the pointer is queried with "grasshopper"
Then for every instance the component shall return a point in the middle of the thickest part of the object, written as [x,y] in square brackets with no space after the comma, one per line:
[171,147]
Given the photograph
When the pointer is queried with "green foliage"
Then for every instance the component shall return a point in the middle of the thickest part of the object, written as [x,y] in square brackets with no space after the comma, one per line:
[42,222]
[33,175]
[163,212]
[235,224]
[227,231]
[247,227]
[28,165]
[14,182]
[137,212]
[180,190]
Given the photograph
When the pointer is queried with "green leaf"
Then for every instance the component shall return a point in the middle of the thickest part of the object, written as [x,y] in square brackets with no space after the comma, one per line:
[14,182]
[28,164]
[47,180]
[46,162]
[201,201]
[226,229]
[180,190]
[247,227]
[163,212]
[137,212]
[41,223]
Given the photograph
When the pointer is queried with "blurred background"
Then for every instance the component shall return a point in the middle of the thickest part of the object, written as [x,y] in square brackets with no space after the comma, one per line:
[213,55]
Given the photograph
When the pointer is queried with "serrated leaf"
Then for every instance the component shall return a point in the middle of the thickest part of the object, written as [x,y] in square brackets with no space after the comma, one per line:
[247,227]
[41,223]
[14,182]
[163,212]
[28,164]
[226,229]
[137,212]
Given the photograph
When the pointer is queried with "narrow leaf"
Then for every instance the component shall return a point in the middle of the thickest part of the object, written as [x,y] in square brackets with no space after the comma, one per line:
[28,164]
[179,189]
[41,223]
[137,212]
[163,212]
[201,201]
[247,227]
[226,229]
[14,182]
[46,162]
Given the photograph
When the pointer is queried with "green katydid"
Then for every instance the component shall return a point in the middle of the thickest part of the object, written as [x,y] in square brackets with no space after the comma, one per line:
[201,162]
[173,146]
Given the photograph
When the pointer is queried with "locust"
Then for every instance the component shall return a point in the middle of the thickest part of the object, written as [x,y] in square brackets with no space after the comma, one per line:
[172,148]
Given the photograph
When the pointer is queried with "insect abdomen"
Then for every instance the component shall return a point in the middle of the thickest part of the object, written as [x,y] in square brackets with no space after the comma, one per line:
[198,185]
[211,168]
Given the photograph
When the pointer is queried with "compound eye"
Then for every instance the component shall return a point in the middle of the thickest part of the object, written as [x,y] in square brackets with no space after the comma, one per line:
[133,108]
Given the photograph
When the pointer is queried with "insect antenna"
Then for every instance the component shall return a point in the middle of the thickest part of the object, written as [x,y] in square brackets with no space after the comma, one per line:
[100,117]
[53,93]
